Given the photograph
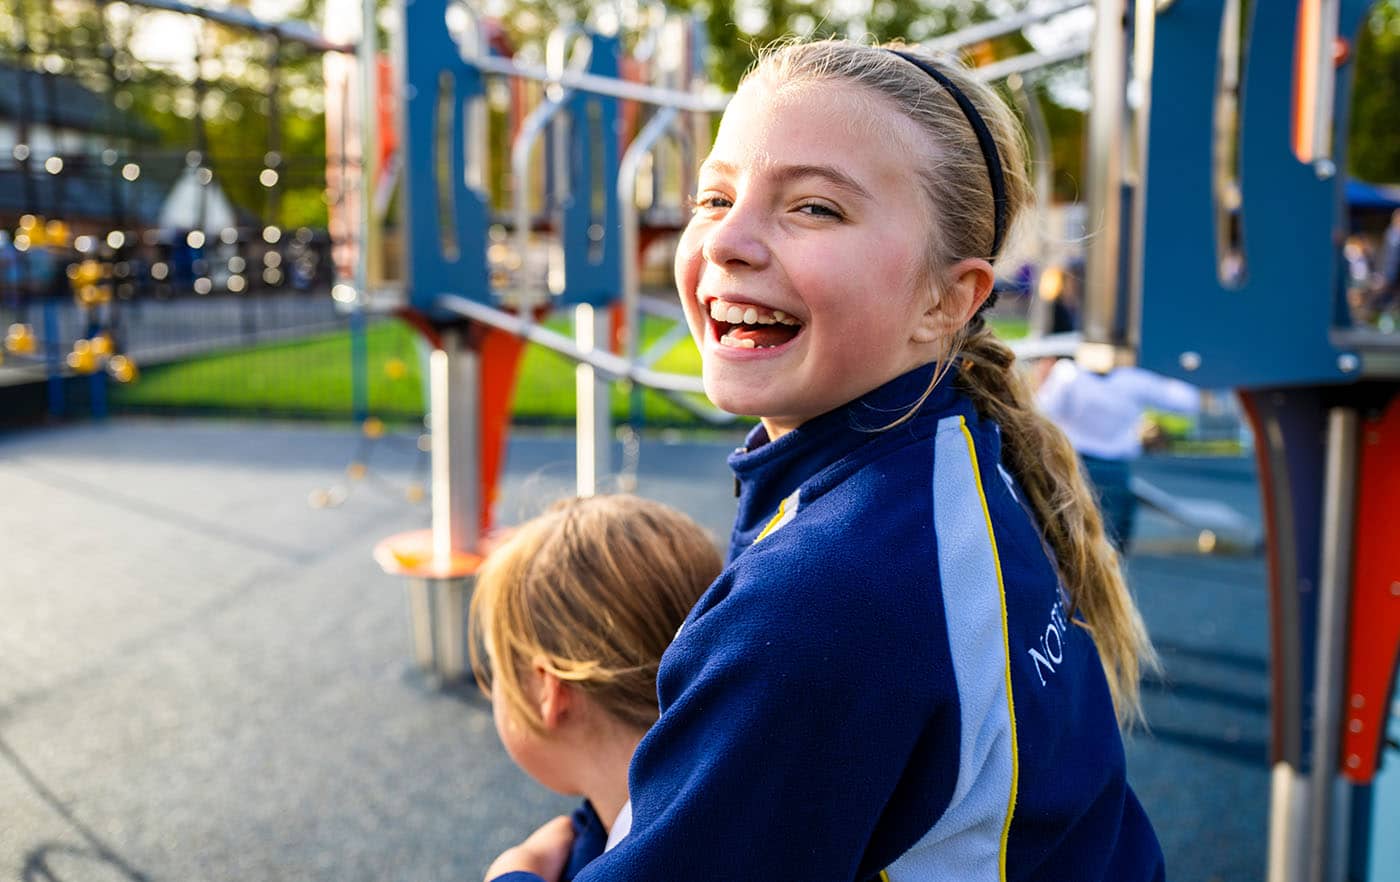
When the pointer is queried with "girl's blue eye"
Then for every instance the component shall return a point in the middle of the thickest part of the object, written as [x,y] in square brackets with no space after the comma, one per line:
[709,200]
[817,209]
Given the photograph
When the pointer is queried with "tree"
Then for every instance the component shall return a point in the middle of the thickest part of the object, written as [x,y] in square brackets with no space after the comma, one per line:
[1375,120]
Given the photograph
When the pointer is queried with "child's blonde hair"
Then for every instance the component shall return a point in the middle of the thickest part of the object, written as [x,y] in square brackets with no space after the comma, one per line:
[954,175]
[594,590]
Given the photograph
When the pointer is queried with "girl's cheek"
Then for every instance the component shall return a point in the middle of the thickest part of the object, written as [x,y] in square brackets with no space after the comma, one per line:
[687,261]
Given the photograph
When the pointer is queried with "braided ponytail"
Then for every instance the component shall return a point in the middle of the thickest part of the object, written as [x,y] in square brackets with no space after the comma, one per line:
[1047,468]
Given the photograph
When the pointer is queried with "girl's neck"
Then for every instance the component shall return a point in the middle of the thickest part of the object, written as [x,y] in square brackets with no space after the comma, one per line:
[776,428]
[603,772]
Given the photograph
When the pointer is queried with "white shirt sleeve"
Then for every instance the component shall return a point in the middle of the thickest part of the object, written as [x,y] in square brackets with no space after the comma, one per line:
[1162,393]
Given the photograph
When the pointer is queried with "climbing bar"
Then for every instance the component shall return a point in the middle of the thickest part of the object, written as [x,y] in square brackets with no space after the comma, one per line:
[614,366]
[289,31]
[1000,27]
[599,85]
[1029,61]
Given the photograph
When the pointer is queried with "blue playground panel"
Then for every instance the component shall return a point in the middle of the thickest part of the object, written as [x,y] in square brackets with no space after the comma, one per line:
[592,229]
[1274,329]
[448,221]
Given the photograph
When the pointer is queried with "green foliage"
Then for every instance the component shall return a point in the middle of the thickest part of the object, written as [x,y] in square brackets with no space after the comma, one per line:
[229,109]
[1375,109]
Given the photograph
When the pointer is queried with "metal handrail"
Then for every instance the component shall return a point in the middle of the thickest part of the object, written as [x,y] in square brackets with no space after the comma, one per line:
[997,28]
[601,85]
[289,31]
[1029,61]
[614,366]
[531,129]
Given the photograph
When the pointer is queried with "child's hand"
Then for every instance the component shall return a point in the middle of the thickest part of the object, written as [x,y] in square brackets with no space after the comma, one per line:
[544,853]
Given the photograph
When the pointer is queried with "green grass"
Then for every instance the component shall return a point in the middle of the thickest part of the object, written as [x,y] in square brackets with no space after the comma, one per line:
[311,376]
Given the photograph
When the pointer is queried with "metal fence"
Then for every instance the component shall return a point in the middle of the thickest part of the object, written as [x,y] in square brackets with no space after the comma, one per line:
[164,217]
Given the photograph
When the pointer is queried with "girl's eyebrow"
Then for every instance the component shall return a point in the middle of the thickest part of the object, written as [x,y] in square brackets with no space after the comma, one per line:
[787,174]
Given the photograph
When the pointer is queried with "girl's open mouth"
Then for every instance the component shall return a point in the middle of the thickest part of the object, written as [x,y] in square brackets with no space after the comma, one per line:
[747,326]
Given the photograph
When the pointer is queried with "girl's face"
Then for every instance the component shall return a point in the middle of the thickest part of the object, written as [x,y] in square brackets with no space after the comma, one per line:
[803,271]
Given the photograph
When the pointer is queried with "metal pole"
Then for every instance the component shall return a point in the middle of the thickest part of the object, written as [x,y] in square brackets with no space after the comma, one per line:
[1144,49]
[367,242]
[642,145]
[523,294]
[1324,86]
[291,31]
[1029,61]
[594,413]
[998,27]
[1330,795]
[98,391]
[53,358]
[1288,790]
[600,85]
[359,364]
[454,378]
[367,269]
[1288,823]
[1041,310]
[1105,174]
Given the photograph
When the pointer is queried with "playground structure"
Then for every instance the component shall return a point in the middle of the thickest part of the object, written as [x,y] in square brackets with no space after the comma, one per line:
[601,142]
[1175,272]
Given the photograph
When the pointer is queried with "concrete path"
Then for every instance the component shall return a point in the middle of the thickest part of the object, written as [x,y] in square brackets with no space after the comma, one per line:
[204,678]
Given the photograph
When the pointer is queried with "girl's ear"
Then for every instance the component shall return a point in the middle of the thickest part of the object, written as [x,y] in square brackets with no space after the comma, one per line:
[554,698]
[972,284]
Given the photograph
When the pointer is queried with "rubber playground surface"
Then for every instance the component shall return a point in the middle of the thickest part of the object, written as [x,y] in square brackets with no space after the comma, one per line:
[202,677]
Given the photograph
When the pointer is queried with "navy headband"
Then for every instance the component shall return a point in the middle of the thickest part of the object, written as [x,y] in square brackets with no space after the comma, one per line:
[984,140]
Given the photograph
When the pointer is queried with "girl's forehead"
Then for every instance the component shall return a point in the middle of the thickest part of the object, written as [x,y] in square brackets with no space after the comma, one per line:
[812,120]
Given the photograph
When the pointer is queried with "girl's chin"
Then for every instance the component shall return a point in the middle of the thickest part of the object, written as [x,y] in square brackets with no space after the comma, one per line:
[744,401]
[727,398]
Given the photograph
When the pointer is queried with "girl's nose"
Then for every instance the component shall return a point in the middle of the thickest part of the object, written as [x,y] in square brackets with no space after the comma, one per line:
[735,241]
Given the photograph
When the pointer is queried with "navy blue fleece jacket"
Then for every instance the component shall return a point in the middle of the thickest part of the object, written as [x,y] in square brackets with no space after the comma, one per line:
[885,682]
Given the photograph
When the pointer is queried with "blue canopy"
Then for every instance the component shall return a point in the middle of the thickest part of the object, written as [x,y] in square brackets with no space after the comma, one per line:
[1379,196]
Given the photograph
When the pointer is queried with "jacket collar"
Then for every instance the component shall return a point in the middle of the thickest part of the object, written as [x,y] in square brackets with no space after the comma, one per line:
[769,471]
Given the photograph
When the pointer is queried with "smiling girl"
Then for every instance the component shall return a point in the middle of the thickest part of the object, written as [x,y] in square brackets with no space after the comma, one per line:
[915,665]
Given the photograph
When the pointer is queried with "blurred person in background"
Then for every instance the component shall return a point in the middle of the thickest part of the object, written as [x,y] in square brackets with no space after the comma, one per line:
[1102,415]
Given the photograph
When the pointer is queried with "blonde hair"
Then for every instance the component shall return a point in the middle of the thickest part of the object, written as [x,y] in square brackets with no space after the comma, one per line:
[594,590]
[954,176]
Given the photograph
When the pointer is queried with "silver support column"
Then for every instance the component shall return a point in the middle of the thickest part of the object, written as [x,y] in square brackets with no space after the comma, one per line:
[437,605]
[1041,310]
[368,250]
[1288,823]
[1101,321]
[594,414]
[1329,794]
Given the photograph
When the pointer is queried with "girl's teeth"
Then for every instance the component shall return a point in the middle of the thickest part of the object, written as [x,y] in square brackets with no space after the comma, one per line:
[748,315]
[728,340]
